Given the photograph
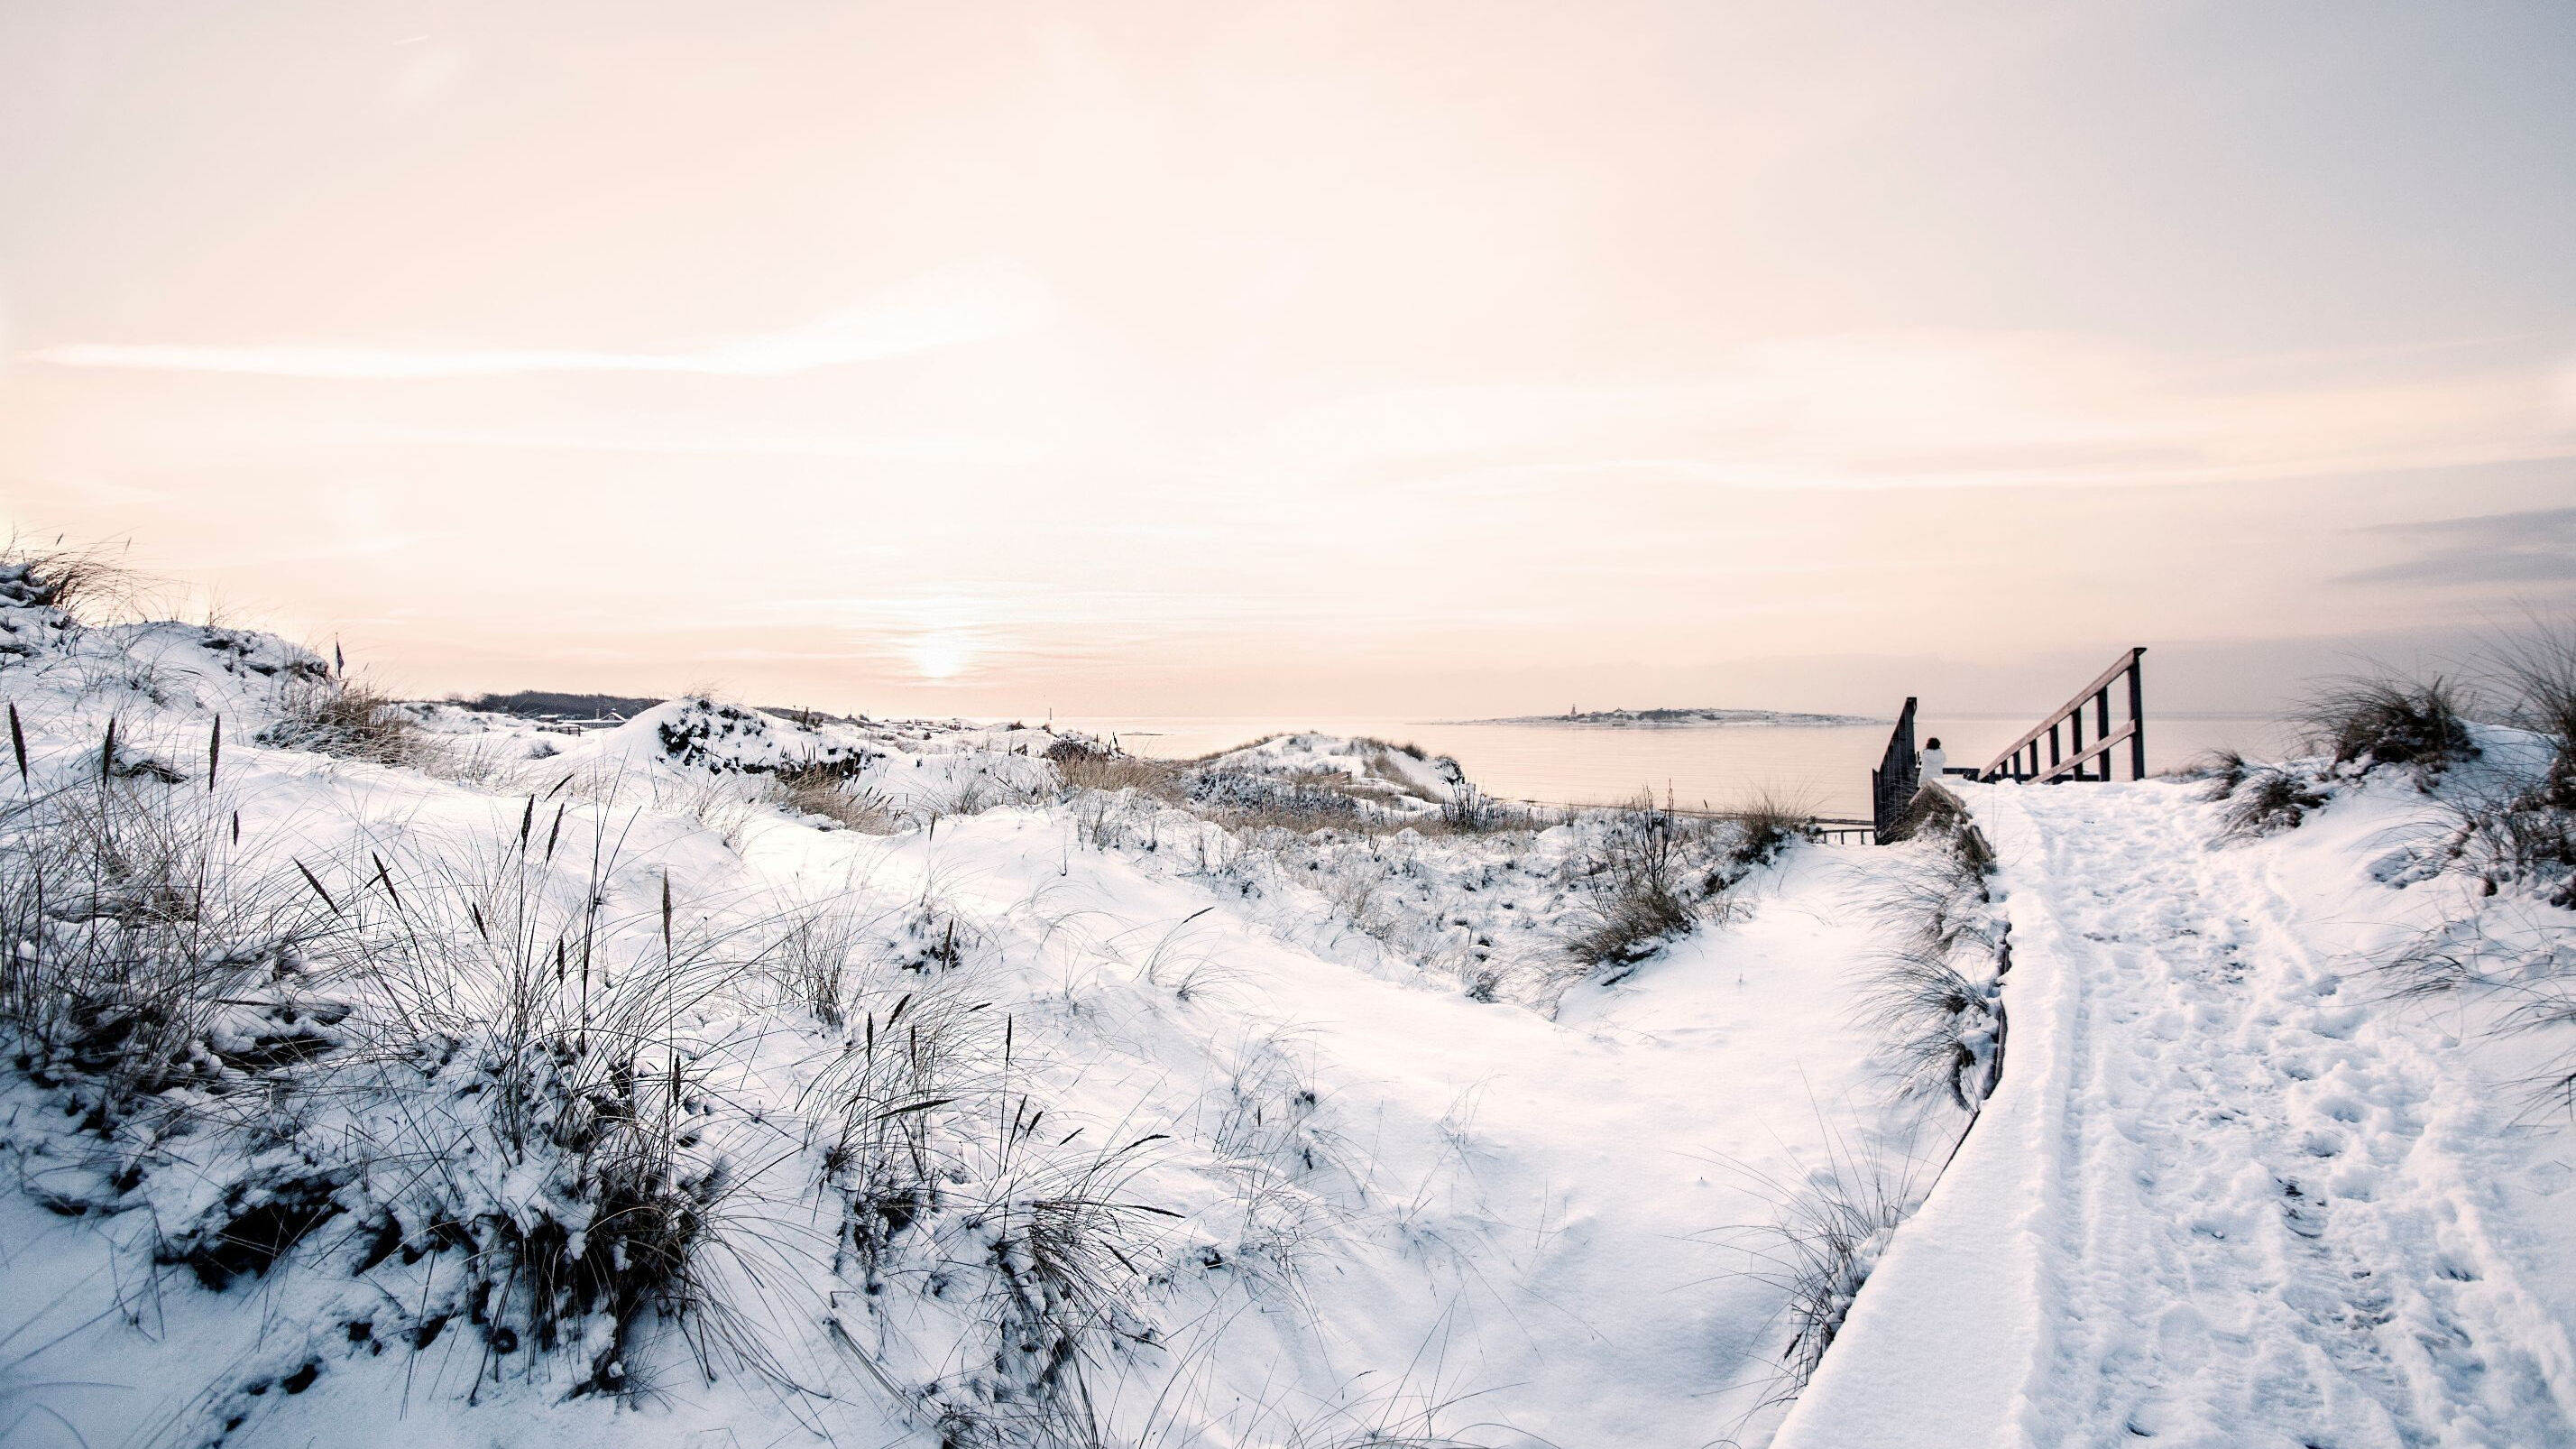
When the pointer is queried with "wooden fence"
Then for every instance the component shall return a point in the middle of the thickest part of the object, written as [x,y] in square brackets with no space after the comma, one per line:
[1898,776]
[2063,734]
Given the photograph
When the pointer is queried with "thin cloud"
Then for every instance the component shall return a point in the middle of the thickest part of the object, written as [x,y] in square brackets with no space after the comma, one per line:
[971,302]
[1941,409]
[2533,547]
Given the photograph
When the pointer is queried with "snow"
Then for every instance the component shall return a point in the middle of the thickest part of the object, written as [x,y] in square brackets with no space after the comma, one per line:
[1370,1152]
[1376,1197]
[2230,1192]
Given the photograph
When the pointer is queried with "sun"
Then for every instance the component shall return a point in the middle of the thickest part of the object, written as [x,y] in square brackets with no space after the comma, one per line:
[940,656]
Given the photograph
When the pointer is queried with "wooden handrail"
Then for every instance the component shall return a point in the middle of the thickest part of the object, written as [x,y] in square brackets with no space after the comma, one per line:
[2059,765]
[2082,697]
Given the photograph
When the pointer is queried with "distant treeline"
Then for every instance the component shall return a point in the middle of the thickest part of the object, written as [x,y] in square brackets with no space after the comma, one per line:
[550,704]
[547,704]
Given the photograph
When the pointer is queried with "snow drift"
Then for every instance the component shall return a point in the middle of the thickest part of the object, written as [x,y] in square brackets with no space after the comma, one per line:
[389,1073]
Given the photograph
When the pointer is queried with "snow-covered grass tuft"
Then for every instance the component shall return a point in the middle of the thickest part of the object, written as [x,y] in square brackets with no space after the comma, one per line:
[2514,822]
[141,950]
[828,792]
[976,791]
[1083,767]
[2514,833]
[2369,720]
[1830,1225]
[1934,1004]
[2549,1006]
[1937,813]
[1643,888]
[2502,814]
[1940,1030]
[1767,827]
[88,583]
[2259,800]
[345,718]
[724,804]
[1470,811]
[2535,672]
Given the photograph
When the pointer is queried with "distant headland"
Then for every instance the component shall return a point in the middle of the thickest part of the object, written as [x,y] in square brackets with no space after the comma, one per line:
[1679,718]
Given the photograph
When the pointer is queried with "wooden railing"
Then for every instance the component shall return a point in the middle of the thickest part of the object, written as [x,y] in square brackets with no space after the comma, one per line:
[1898,776]
[2063,733]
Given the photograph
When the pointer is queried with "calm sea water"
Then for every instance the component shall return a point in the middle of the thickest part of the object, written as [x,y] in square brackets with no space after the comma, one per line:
[1825,768]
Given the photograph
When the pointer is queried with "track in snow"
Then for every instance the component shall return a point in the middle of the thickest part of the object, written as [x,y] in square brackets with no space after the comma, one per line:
[2260,1243]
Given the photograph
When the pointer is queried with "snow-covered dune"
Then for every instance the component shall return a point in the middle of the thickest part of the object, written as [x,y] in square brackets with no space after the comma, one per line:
[466,1079]
[402,1074]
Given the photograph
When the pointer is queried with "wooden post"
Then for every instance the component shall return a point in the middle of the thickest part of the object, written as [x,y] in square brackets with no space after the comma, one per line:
[2075,723]
[2137,718]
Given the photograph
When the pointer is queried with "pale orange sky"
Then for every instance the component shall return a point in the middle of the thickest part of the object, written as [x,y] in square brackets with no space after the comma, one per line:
[1236,358]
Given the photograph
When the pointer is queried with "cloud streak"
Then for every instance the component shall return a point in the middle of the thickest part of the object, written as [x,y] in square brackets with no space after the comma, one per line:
[1939,409]
[970,302]
[2533,547]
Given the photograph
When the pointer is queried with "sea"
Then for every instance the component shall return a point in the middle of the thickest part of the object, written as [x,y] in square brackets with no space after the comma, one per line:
[1823,769]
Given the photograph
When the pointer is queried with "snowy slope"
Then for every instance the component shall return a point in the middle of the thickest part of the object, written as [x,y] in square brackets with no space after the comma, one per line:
[2235,1190]
[398,1074]
[1222,1140]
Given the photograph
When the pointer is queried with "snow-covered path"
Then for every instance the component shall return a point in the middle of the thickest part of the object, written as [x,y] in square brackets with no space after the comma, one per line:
[2229,1194]
[2262,1232]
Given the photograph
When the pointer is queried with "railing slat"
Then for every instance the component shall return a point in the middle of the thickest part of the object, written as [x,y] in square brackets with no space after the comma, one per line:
[2103,748]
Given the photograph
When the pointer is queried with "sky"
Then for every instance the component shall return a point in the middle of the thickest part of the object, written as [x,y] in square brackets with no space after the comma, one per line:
[1443,359]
